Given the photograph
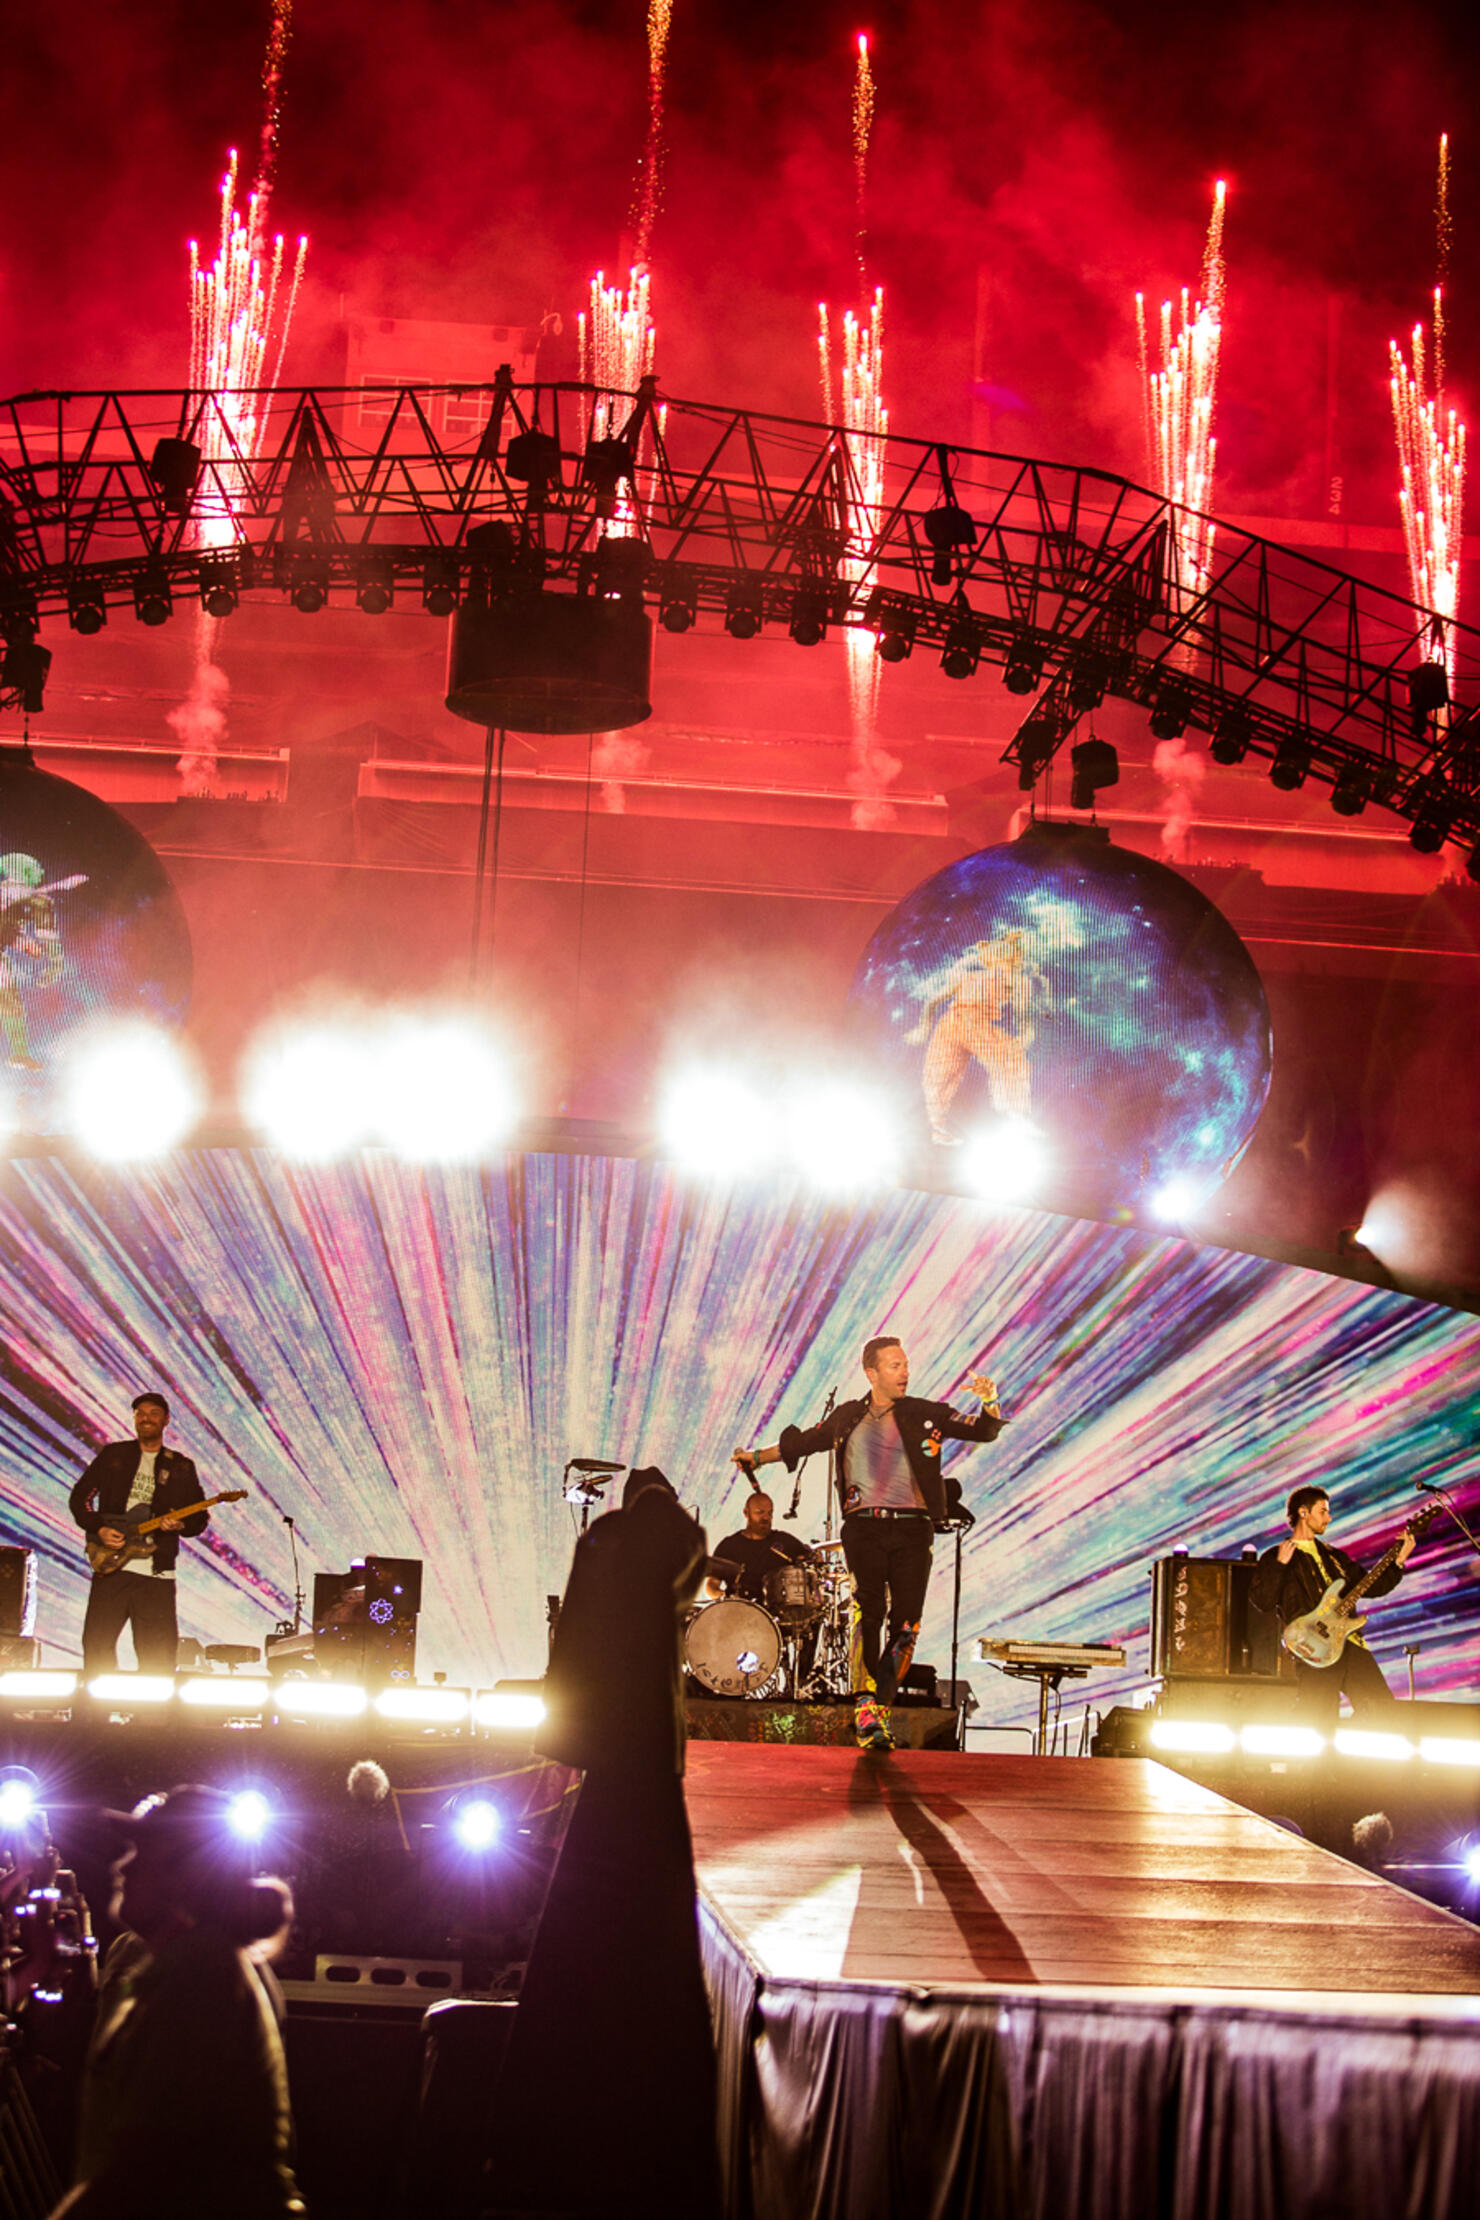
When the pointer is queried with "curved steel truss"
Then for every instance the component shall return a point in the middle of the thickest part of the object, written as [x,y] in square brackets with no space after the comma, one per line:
[1077,583]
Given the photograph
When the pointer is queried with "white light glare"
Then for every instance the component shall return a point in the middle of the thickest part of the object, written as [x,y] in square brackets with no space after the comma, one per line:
[507,1709]
[226,1692]
[1472,1863]
[1443,1749]
[1282,1741]
[26,1685]
[477,1825]
[1176,1201]
[321,1699]
[129,1091]
[249,1814]
[1360,1742]
[1191,1734]
[1007,1162]
[442,1090]
[432,1706]
[309,1089]
[17,1802]
[716,1125]
[840,1136]
[131,1688]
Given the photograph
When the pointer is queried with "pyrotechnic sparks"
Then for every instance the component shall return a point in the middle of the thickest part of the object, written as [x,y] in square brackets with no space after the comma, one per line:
[1178,399]
[857,402]
[648,197]
[863,125]
[1431,457]
[1444,234]
[272,98]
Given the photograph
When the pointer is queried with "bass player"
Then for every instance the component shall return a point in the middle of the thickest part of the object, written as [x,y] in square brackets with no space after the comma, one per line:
[125,1476]
[1292,1578]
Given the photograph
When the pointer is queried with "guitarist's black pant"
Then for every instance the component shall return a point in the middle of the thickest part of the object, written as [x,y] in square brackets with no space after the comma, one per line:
[121,1599]
[1358,1674]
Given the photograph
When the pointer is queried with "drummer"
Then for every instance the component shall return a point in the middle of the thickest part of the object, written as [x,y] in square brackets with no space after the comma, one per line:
[757,1552]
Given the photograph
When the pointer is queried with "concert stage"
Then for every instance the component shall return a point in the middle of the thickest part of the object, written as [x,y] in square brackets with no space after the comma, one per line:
[948,1984]
[818,1725]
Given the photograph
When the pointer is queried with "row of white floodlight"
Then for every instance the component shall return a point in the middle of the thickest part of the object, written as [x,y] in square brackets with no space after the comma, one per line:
[1213,1738]
[242,1695]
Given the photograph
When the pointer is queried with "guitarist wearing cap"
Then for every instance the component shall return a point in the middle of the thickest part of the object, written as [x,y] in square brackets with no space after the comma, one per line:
[133,1476]
[1294,1579]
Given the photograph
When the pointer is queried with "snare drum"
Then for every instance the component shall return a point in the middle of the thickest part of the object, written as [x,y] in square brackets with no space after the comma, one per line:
[733,1647]
[794,1594]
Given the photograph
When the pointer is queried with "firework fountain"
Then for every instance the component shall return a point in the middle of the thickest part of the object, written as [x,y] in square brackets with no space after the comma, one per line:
[1431,455]
[1178,399]
[853,396]
[241,311]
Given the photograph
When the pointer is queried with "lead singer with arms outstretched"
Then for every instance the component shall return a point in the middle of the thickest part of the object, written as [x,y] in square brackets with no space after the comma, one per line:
[886,1467]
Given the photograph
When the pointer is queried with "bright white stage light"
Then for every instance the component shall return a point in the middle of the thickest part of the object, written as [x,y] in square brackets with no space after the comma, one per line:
[501,1708]
[841,1136]
[1005,1163]
[1282,1741]
[1444,1749]
[129,1091]
[24,1684]
[226,1692]
[131,1688]
[1191,1735]
[249,1814]
[716,1125]
[321,1699]
[1177,1200]
[1472,1863]
[1360,1742]
[310,1089]
[442,1090]
[477,1824]
[446,1707]
[17,1803]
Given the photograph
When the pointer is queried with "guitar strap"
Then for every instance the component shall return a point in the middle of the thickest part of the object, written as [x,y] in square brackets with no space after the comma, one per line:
[1332,1571]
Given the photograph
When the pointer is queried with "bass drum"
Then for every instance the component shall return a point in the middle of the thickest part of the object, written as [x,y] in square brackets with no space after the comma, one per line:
[733,1647]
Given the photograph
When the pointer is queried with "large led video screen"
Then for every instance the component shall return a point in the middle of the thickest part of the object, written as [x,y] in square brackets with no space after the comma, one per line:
[402,1359]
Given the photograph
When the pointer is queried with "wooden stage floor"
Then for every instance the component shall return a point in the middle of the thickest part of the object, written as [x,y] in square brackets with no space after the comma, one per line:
[945,1869]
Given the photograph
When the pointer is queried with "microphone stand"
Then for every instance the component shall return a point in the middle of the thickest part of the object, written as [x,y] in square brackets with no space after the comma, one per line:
[796,1494]
[283,1626]
[1429,1488]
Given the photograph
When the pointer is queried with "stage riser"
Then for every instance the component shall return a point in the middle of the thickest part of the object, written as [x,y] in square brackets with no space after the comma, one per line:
[817,1726]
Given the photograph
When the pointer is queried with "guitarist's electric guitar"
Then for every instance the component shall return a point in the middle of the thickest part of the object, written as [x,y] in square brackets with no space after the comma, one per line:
[135,1524]
[1321,1636]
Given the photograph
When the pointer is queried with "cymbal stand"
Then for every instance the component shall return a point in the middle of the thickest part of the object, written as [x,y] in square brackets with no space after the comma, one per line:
[585,1491]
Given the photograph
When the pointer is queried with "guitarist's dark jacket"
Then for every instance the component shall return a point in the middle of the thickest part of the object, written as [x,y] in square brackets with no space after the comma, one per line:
[102,1493]
[1296,1588]
[922,1427]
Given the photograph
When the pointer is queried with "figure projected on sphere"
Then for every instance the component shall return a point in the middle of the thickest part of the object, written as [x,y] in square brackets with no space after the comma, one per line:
[30,948]
[981,1006]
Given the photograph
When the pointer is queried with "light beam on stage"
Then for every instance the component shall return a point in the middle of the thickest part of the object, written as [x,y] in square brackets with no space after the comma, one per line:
[129,1090]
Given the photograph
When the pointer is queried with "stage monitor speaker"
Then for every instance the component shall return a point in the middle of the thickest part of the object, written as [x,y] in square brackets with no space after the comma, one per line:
[1204,1623]
[17,1591]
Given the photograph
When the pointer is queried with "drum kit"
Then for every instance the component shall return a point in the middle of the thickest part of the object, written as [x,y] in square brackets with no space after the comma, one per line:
[794,1646]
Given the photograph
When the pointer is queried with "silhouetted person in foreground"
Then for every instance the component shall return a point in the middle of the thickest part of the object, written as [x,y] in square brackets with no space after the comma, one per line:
[606,2103]
[185,2093]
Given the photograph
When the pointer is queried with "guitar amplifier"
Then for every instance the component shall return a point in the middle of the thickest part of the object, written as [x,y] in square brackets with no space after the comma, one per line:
[1204,1625]
[17,1591]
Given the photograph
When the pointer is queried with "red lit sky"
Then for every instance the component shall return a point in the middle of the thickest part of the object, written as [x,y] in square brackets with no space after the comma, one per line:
[1035,162]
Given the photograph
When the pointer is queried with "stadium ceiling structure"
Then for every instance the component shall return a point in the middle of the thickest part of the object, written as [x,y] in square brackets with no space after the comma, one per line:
[1077,584]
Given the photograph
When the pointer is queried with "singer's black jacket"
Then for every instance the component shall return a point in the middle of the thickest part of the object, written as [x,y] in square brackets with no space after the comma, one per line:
[104,1488]
[1296,1588]
[922,1427]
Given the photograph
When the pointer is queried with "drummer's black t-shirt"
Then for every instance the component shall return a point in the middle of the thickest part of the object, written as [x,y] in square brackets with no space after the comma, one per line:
[756,1558]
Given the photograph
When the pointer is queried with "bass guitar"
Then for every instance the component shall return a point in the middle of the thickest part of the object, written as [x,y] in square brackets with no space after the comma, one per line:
[135,1524]
[1321,1635]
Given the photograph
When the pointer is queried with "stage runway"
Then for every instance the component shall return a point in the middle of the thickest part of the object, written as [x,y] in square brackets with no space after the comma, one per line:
[948,1983]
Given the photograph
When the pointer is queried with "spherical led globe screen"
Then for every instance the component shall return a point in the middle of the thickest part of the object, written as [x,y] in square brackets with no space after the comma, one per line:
[1084,1000]
[90,929]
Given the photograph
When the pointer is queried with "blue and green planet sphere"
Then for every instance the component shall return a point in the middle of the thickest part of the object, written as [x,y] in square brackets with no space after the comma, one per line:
[1061,984]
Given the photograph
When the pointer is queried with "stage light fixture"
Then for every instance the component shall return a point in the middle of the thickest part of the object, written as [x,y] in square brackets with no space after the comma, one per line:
[963,648]
[809,613]
[321,1699]
[716,1125]
[25,1684]
[131,1688]
[310,588]
[1176,1200]
[442,1707]
[894,629]
[1281,1742]
[220,585]
[743,612]
[1362,1742]
[1086,684]
[1171,713]
[309,1089]
[1445,1749]
[1430,829]
[19,1800]
[1022,673]
[441,1087]
[175,468]
[249,1814]
[153,599]
[840,1137]
[533,458]
[23,670]
[439,586]
[1428,691]
[129,1091]
[87,609]
[243,1692]
[947,527]
[1230,743]
[1095,765]
[1291,764]
[505,1708]
[1204,1737]
[678,605]
[375,588]
[477,1823]
[622,566]
[1352,791]
[1006,1162]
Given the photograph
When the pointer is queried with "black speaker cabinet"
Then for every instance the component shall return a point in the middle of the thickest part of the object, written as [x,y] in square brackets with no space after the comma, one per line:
[364,1620]
[1204,1625]
[17,1592]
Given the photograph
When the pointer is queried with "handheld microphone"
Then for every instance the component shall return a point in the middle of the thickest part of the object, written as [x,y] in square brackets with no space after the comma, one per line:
[594,1464]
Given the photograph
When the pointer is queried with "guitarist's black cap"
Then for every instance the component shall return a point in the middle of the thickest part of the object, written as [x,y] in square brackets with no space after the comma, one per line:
[151,1395]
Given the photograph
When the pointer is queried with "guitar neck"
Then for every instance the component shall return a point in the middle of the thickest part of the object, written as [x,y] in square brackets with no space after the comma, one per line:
[1415,1527]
